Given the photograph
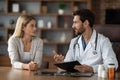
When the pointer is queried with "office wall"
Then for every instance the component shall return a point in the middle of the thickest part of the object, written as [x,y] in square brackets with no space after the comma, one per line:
[99,7]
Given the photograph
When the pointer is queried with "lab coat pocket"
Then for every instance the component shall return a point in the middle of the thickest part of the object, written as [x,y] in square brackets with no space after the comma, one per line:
[93,54]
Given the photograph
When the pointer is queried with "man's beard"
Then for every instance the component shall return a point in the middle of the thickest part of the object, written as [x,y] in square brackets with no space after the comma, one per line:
[77,33]
[80,31]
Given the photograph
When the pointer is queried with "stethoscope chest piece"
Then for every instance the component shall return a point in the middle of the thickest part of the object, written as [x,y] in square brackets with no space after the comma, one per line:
[94,52]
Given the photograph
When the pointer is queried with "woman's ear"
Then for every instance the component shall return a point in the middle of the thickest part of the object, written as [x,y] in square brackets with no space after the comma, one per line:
[23,28]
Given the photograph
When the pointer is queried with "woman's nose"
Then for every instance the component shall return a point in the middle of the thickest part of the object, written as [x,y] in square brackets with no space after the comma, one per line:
[35,28]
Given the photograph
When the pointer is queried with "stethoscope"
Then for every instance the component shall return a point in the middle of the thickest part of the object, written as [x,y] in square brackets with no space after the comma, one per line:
[76,44]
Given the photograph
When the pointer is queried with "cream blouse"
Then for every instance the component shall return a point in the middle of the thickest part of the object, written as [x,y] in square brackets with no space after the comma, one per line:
[16,51]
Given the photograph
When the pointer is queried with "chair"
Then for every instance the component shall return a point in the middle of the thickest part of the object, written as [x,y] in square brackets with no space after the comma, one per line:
[5,61]
[113,33]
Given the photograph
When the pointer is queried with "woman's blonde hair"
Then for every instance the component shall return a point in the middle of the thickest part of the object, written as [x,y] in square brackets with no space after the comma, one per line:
[23,20]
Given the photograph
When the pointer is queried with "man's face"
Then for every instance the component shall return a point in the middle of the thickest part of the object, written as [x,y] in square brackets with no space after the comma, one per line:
[78,25]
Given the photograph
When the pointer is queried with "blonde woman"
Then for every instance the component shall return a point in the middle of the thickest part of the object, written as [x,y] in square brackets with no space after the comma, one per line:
[25,49]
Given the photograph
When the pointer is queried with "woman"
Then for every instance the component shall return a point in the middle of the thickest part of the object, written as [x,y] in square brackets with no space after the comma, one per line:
[25,49]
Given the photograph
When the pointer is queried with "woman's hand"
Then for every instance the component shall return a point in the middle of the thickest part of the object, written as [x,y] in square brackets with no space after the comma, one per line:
[32,66]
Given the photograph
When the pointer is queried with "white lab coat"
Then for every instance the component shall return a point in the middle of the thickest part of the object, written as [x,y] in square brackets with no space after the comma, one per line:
[105,54]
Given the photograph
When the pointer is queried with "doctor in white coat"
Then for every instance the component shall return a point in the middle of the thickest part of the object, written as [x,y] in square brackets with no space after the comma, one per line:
[89,47]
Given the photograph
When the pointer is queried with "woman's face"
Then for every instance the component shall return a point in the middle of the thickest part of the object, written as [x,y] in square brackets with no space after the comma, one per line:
[30,28]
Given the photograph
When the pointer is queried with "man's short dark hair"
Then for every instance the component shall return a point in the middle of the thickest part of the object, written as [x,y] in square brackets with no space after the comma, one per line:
[85,14]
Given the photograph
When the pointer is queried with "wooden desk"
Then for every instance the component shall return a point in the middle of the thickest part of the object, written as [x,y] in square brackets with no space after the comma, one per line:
[7,73]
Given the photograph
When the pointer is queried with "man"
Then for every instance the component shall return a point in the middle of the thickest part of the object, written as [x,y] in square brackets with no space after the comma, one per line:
[89,47]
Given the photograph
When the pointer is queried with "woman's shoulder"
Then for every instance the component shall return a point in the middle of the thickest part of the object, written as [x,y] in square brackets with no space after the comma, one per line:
[37,39]
[13,39]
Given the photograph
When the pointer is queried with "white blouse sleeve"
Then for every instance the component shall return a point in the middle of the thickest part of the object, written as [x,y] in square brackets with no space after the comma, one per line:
[14,54]
[39,52]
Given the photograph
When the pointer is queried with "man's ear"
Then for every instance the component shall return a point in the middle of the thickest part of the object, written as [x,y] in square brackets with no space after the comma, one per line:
[86,23]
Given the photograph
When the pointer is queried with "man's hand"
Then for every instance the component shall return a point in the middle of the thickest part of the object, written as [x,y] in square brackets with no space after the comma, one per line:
[58,58]
[83,68]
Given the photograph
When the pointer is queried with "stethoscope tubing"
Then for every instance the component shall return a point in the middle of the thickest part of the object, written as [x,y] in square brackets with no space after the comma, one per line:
[77,44]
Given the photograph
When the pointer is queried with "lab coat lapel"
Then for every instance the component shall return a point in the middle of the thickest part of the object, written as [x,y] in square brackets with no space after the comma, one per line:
[92,41]
[87,48]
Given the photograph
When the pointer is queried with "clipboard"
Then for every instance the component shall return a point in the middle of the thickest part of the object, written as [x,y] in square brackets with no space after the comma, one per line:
[68,66]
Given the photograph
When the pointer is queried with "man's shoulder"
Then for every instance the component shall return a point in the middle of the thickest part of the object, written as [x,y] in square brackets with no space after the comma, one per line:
[103,37]
[73,39]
